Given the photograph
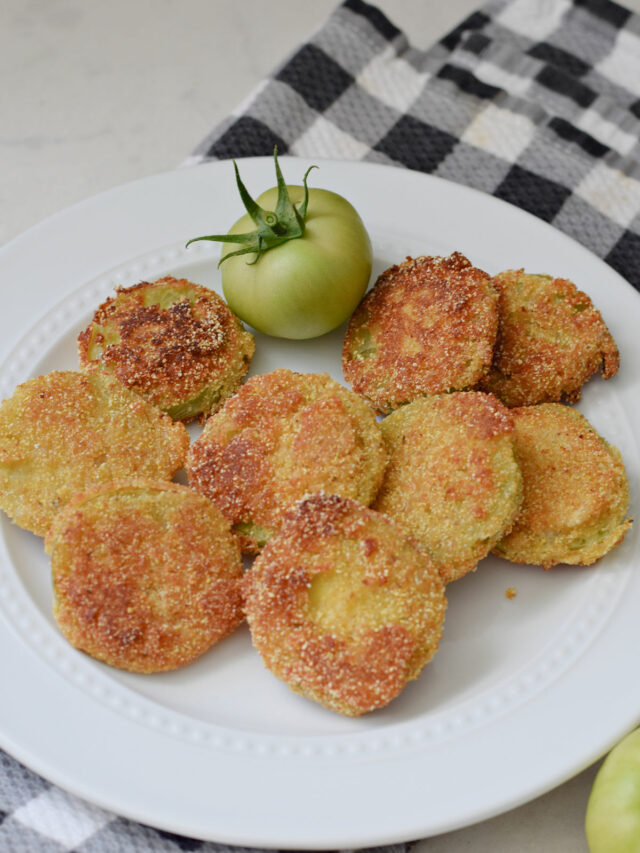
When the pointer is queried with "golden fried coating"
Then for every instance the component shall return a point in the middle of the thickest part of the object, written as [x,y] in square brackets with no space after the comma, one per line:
[428,325]
[551,339]
[452,479]
[174,342]
[342,607]
[283,436]
[576,495]
[63,432]
[146,575]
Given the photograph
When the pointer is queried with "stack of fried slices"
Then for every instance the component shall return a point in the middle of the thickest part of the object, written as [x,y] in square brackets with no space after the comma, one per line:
[457,439]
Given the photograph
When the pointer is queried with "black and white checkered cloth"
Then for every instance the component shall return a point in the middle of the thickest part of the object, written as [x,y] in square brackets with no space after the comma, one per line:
[534,101]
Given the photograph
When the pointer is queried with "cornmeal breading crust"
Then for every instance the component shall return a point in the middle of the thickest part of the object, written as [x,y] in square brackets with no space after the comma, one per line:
[174,342]
[66,431]
[427,326]
[283,436]
[146,575]
[551,339]
[576,495]
[452,479]
[342,607]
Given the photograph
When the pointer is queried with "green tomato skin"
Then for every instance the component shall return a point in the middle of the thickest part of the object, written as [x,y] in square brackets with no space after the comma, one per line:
[306,286]
[612,822]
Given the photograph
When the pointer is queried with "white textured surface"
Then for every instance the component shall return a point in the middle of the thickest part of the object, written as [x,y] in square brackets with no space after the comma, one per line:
[97,94]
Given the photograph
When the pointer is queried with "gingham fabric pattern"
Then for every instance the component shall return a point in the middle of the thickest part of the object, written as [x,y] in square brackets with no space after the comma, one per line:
[534,101]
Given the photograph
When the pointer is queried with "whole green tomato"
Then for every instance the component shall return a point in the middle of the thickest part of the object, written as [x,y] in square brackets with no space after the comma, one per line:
[303,269]
[612,822]
[308,286]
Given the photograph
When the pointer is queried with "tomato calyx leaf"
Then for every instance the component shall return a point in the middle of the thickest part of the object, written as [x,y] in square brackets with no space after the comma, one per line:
[273,227]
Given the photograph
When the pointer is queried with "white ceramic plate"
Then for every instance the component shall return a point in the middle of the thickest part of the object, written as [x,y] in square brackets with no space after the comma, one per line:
[522,694]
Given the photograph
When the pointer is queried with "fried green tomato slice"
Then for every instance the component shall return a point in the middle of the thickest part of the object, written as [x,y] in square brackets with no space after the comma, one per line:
[427,326]
[342,607]
[283,436]
[452,479]
[146,575]
[174,342]
[551,339]
[576,495]
[65,431]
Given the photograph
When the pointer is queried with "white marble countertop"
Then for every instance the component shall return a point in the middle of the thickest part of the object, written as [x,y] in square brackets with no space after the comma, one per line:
[97,94]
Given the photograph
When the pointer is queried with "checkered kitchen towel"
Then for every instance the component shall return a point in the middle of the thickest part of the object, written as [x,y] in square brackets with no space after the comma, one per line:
[534,101]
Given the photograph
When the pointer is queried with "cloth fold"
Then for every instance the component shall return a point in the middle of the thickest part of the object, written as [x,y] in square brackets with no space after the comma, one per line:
[534,101]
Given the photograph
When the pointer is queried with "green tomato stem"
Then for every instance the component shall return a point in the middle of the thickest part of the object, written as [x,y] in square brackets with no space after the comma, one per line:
[273,228]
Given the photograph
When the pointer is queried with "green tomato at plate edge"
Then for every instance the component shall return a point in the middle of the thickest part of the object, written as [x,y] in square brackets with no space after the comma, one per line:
[612,822]
[309,285]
